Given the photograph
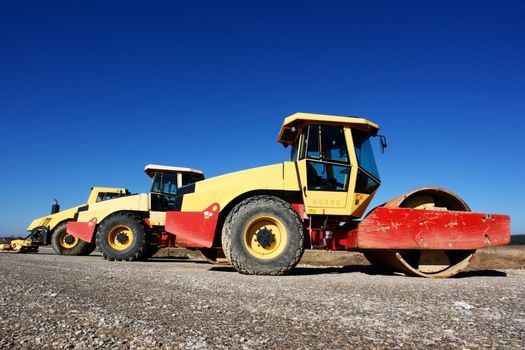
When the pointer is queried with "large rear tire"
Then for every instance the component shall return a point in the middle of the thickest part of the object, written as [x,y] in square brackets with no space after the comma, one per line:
[123,237]
[263,235]
[66,244]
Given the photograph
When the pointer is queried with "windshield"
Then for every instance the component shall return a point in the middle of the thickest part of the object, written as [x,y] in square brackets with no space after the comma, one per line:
[365,154]
[293,153]
[164,183]
[105,196]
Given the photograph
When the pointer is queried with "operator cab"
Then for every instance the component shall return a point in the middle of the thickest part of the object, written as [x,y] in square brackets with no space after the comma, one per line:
[166,180]
[335,161]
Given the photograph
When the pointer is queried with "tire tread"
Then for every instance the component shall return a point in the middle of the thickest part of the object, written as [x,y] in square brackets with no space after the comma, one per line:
[126,218]
[241,264]
[82,248]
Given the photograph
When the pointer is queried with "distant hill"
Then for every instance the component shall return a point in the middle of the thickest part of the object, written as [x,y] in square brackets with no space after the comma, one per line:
[517,240]
[6,239]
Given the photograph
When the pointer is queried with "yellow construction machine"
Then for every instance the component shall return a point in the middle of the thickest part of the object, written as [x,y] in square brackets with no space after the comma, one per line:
[263,219]
[132,224]
[18,245]
[51,229]
[105,201]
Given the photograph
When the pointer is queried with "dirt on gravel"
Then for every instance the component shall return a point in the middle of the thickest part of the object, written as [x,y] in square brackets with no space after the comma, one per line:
[60,302]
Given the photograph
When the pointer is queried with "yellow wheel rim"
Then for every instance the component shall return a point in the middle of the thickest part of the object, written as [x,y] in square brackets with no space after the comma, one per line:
[65,238]
[120,237]
[265,237]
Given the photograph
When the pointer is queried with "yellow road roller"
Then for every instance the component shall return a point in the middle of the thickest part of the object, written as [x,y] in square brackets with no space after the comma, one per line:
[262,219]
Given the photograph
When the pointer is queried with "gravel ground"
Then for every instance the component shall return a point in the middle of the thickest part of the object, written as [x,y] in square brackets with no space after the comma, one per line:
[49,301]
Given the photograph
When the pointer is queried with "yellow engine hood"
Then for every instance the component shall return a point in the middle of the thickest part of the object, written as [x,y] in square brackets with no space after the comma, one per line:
[222,189]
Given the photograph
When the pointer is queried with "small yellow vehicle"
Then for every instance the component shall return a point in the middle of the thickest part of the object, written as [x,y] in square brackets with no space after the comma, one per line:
[18,245]
[51,229]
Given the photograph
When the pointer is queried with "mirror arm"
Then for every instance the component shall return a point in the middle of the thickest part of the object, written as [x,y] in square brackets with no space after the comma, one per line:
[382,142]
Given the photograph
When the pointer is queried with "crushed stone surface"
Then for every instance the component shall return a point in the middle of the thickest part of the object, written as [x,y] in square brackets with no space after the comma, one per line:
[59,302]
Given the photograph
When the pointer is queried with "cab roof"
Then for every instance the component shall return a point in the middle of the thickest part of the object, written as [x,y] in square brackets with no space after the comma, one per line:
[299,120]
[150,169]
[109,189]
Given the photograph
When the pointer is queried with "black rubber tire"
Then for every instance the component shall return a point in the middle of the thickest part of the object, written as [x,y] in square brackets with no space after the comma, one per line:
[233,236]
[138,247]
[81,248]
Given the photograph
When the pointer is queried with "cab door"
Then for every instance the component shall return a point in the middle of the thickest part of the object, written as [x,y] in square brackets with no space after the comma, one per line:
[324,169]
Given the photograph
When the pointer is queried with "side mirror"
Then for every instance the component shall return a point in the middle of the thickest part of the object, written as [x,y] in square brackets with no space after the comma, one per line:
[382,141]
[289,134]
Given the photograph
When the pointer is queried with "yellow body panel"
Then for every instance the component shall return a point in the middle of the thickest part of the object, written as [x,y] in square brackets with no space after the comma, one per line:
[223,189]
[157,218]
[52,220]
[100,210]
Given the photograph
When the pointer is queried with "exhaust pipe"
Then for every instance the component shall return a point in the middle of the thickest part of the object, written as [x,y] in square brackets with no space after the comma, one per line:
[55,208]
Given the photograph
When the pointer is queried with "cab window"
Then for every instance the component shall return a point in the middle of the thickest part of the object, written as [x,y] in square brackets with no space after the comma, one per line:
[367,175]
[364,153]
[189,178]
[164,183]
[326,177]
[333,145]
[324,142]
[104,196]
[327,164]
[312,142]
[293,153]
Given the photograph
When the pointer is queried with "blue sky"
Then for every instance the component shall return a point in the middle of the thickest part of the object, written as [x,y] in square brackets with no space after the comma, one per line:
[90,92]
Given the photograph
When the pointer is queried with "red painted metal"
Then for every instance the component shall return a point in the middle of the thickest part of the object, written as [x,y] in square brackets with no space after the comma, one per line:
[335,240]
[82,230]
[163,239]
[404,228]
[167,240]
[193,229]
[299,208]
[328,233]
